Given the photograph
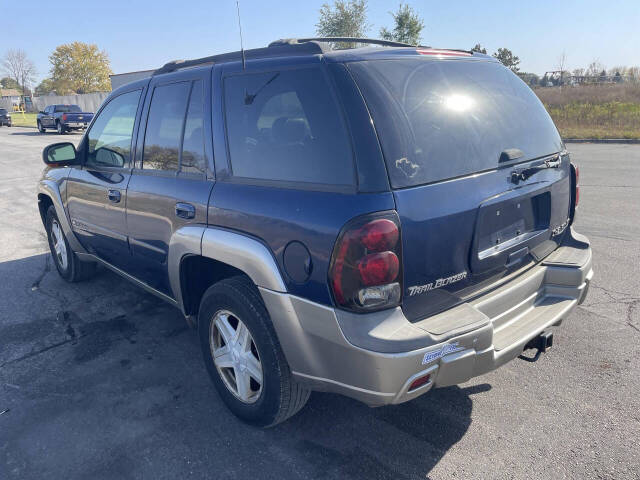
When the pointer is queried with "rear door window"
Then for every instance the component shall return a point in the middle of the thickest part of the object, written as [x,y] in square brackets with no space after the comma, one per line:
[286,126]
[193,159]
[448,118]
[164,127]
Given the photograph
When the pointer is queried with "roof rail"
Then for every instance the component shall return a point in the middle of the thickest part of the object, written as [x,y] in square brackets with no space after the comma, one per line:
[273,50]
[371,41]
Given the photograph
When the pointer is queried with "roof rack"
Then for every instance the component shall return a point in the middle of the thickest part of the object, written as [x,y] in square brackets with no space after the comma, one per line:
[273,50]
[371,41]
[282,47]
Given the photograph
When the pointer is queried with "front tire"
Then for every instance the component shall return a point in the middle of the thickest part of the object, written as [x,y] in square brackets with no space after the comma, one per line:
[40,127]
[69,266]
[243,355]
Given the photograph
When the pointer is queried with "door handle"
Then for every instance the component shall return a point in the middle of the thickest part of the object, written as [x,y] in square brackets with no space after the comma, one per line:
[185,210]
[114,196]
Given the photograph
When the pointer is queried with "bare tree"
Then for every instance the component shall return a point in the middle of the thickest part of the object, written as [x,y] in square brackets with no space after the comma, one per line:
[18,66]
[594,68]
[562,63]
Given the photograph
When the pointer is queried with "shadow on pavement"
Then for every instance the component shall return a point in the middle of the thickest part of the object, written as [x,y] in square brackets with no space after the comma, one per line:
[35,133]
[102,380]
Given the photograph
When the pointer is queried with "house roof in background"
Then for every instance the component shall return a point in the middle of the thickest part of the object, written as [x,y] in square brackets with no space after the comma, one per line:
[9,92]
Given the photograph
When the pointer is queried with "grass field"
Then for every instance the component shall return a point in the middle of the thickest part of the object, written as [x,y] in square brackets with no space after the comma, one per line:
[594,111]
[23,120]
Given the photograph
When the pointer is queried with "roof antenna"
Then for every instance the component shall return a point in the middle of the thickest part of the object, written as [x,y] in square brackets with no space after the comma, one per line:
[240,28]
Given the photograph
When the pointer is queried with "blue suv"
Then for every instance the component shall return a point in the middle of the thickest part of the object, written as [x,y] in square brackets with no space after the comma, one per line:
[373,222]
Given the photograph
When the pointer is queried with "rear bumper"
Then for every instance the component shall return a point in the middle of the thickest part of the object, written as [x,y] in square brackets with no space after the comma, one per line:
[375,357]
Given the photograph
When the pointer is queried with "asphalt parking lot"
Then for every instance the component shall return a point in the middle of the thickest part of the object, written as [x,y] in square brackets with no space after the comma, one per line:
[102,380]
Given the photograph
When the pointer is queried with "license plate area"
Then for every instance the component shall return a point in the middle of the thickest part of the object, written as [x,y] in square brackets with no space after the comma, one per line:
[506,225]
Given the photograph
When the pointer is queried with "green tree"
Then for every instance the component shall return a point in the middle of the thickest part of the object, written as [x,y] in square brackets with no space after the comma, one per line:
[530,79]
[407,28]
[8,82]
[478,48]
[45,87]
[344,19]
[508,59]
[80,68]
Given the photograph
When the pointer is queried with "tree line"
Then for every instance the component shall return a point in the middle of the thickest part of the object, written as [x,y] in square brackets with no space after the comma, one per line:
[76,67]
[348,18]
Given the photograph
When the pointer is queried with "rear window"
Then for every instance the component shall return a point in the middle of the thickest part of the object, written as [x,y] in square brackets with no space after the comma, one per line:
[68,109]
[443,119]
[286,126]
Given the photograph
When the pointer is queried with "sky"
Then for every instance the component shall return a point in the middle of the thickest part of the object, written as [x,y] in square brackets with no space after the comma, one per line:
[145,34]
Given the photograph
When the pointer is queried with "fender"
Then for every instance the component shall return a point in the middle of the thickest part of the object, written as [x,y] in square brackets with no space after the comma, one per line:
[50,187]
[236,249]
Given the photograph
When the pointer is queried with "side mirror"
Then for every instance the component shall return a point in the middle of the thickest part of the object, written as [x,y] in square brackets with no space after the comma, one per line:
[41,112]
[60,155]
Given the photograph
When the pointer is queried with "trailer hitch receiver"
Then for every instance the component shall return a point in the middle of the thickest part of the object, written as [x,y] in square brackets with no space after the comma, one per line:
[541,344]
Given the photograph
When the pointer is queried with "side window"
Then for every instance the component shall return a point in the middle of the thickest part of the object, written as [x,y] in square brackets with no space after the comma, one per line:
[287,126]
[164,127]
[193,160]
[109,138]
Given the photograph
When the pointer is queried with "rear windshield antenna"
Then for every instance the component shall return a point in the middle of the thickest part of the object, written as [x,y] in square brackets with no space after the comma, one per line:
[240,29]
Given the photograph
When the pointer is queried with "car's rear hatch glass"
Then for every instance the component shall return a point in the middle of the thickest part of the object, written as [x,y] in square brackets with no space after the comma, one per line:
[452,132]
[440,119]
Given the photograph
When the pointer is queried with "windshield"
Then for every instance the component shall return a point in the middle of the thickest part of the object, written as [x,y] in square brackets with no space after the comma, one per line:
[68,109]
[443,119]
[2,111]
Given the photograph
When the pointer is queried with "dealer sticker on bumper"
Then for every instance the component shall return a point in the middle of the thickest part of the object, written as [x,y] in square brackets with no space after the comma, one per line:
[441,352]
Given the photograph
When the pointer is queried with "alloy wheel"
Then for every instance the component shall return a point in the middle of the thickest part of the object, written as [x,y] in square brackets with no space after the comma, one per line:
[235,356]
[59,245]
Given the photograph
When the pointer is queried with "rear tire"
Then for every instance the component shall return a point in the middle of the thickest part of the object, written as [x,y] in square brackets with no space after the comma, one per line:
[41,129]
[69,266]
[60,128]
[278,396]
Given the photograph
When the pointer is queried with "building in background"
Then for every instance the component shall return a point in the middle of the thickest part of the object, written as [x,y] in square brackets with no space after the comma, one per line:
[10,95]
[119,79]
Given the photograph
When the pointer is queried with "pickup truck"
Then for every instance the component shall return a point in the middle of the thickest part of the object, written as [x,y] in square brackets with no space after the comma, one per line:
[372,222]
[63,118]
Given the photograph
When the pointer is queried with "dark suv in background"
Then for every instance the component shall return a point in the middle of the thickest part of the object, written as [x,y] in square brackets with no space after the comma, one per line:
[5,117]
[373,222]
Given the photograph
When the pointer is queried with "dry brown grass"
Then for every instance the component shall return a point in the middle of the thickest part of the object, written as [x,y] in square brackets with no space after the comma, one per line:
[592,94]
[594,111]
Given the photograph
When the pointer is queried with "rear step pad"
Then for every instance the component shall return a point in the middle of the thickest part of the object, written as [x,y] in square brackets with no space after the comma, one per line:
[531,322]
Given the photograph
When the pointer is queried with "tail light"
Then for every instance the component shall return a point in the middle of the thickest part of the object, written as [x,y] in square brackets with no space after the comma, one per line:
[64,117]
[365,272]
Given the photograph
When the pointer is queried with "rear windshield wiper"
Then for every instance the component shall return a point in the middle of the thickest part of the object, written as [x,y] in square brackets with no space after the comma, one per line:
[521,175]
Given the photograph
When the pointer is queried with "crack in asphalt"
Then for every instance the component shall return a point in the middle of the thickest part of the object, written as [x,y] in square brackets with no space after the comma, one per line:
[36,285]
[630,301]
[37,352]
[98,330]
[630,309]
